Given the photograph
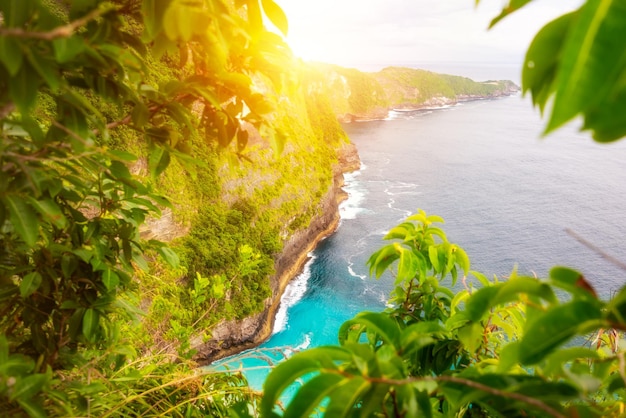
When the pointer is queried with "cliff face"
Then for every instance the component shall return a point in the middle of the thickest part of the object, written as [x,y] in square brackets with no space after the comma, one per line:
[232,336]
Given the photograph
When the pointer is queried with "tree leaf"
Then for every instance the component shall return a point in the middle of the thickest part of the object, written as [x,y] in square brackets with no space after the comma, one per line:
[484,299]
[543,58]
[513,6]
[311,394]
[23,219]
[276,15]
[345,395]
[554,328]
[23,88]
[158,160]
[66,49]
[169,256]
[408,264]
[594,58]
[11,54]
[46,68]
[91,320]
[30,283]
[49,210]
[16,12]
[110,279]
[29,386]
[377,322]
[300,364]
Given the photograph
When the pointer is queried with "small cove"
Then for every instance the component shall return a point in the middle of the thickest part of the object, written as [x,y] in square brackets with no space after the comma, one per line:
[507,196]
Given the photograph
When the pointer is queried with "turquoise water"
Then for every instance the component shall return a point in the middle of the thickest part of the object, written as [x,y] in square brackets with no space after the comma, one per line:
[507,197]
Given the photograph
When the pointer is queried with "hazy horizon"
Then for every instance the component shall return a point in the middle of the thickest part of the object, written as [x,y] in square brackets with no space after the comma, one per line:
[371,34]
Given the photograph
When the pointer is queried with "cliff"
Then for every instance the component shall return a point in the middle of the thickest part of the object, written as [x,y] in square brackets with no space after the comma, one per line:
[356,95]
[232,336]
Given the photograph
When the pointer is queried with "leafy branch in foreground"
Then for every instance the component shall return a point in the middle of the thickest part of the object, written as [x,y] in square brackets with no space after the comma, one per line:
[577,64]
[502,350]
[92,93]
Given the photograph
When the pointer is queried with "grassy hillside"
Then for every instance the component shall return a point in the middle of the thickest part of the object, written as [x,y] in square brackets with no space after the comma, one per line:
[358,95]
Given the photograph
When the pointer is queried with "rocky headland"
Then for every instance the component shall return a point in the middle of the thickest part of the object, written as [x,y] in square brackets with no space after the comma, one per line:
[232,336]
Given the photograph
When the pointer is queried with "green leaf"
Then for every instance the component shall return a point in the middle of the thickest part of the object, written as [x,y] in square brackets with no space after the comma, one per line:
[49,210]
[433,255]
[16,12]
[382,259]
[123,155]
[23,88]
[23,219]
[66,49]
[158,161]
[462,260]
[512,7]
[556,327]
[110,279]
[11,54]
[140,115]
[572,281]
[594,58]
[345,395]
[176,21]
[169,256]
[311,394]
[79,7]
[380,323]
[276,15]
[91,320]
[46,68]
[33,408]
[543,58]
[119,170]
[4,349]
[605,119]
[299,365]
[29,386]
[471,336]
[408,265]
[484,299]
[30,283]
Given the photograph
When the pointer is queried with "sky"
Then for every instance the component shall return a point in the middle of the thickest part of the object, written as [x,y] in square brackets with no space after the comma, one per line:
[372,34]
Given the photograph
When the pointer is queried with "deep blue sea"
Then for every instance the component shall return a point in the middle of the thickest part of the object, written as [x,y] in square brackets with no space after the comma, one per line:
[506,195]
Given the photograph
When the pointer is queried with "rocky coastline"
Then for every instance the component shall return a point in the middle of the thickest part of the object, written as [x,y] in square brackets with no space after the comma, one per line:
[436,102]
[232,337]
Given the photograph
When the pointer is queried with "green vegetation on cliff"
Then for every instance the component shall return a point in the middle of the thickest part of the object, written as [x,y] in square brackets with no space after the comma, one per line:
[358,95]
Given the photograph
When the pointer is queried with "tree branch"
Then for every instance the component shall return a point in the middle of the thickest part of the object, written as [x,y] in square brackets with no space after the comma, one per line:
[466,382]
[596,249]
[64,31]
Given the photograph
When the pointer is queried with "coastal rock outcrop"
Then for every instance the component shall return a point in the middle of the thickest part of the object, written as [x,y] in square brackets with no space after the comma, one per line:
[232,336]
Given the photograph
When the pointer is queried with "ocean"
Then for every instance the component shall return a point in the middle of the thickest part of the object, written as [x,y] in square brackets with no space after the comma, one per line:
[509,198]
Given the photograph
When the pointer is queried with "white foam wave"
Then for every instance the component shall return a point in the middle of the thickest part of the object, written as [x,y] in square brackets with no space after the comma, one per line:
[353,273]
[287,352]
[351,207]
[293,293]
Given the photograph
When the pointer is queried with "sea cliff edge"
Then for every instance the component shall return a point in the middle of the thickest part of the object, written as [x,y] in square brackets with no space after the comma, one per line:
[231,337]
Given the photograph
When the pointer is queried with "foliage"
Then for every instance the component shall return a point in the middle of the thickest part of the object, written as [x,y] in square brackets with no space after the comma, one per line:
[501,350]
[72,76]
[576,66]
